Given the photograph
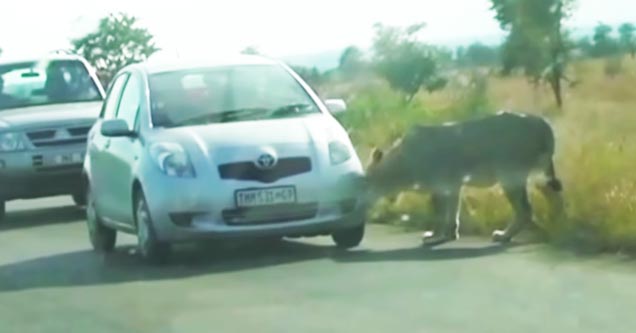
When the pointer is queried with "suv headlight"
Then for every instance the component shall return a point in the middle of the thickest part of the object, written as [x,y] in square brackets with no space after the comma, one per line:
[11,141]
[338,152]
[172,159]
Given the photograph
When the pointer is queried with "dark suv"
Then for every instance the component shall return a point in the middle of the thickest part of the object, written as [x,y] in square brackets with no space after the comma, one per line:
[47,107]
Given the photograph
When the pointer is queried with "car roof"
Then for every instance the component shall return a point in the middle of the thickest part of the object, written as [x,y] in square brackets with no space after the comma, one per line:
[48,57]
[155,66]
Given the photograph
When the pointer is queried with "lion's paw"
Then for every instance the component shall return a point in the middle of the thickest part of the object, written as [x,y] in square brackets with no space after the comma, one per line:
[500,236]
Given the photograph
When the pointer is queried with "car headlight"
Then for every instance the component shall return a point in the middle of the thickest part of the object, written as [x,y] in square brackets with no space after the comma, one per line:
[172,159]
[338,153]
[11,141]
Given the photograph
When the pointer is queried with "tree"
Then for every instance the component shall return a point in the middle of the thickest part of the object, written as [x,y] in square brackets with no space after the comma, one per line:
[478,54]
[584,46]
[537,42]
[351,61]
[407,64]
[252,50]
[627,32]
[116,43]
[312,75]
[604,44]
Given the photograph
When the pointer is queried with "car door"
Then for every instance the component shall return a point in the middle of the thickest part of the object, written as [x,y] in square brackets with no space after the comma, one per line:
[121,155]
[98,144]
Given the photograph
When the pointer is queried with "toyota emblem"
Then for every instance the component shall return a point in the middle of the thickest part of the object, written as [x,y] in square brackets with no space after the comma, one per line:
[266,161]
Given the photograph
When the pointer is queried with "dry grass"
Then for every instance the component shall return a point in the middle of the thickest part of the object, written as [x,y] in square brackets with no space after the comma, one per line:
[596,153]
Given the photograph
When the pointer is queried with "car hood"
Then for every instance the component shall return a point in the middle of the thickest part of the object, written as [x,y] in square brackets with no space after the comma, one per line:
[306,135]
[50,115]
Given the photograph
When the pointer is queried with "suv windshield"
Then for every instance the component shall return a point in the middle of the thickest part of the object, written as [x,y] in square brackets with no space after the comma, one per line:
[224,94]
[45,82]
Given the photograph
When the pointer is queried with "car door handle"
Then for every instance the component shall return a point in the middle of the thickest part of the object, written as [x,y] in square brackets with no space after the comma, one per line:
[107,144]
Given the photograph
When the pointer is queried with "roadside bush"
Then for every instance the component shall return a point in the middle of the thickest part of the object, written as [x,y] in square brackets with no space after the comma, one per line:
[613,66]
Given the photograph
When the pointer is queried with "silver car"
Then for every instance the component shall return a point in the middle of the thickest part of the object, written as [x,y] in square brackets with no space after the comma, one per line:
[232,148]
[47,107]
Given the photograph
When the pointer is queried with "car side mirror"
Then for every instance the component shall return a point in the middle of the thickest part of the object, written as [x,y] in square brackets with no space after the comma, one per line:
[116,128]
[336,106]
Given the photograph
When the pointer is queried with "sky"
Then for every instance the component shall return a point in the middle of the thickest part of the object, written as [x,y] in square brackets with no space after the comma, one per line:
[277,27]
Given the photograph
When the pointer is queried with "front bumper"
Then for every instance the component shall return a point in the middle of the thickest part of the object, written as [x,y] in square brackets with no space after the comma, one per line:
[199,209]
[41,173]
[205,227]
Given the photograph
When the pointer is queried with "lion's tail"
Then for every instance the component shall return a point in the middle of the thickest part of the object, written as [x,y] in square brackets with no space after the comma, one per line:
[553,182]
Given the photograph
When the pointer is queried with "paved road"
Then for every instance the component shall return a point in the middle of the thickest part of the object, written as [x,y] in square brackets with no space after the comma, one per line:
[51,282]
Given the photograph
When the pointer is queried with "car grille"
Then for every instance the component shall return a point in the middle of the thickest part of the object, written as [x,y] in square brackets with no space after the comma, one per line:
[59,136]
[270,214]
[61,168]
[286,167]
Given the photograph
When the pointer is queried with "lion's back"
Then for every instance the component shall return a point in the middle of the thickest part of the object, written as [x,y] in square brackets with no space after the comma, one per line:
[490,145]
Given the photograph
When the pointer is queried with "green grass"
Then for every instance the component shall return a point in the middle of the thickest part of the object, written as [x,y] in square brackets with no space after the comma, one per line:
[596,154]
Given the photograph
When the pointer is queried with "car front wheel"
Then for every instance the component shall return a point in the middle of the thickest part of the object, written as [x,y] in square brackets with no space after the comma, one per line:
[150,248]
[348,238]
[102,238]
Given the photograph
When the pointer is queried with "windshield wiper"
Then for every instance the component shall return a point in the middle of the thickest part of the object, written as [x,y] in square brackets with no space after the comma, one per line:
[221,117]
[290,109]
[246,113]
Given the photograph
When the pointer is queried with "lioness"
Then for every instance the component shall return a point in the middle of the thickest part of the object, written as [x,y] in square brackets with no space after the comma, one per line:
[505,148]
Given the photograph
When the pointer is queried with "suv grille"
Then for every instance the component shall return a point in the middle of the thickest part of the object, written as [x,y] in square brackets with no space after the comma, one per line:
[270,214]
[286,167]
[59,137]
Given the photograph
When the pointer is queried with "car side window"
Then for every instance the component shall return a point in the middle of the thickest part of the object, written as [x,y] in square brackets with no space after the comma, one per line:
[130,101]
[113,97]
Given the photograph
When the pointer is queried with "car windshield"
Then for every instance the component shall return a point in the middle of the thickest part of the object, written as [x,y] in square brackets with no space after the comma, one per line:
[224,94]
[45,82]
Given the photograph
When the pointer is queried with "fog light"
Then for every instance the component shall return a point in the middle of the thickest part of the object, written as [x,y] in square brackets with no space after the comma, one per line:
[182,219]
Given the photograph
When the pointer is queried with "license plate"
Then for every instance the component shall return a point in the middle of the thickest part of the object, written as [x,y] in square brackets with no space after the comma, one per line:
[70,158]
[265,196]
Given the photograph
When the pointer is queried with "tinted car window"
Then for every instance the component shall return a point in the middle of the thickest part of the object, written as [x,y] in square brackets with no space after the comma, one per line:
[204,95]
[130,101]
[114,95]
[46,82]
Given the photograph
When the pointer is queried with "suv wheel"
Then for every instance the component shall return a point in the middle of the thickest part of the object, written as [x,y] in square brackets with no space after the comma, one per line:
[348,238]
[3,210]
[150,248]
[102,238]
[79,198]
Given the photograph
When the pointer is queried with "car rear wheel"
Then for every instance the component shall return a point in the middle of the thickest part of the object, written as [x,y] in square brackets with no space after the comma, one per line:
[150,248]
[348,238]
[102,238]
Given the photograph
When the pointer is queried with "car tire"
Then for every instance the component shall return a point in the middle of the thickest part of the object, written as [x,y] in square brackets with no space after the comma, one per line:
[79,198]
[3,210]
[102,238]
[150,248]
[348,238]
[270,242]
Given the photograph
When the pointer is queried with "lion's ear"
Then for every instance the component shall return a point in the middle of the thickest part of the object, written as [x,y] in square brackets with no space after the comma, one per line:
[376,155]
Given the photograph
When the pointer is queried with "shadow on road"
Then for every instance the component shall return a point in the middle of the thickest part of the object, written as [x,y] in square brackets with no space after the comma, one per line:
[419,253]
[39,217]
[86,268]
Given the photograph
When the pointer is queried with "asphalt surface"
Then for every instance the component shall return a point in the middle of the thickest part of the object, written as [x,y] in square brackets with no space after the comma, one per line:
[50,281]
